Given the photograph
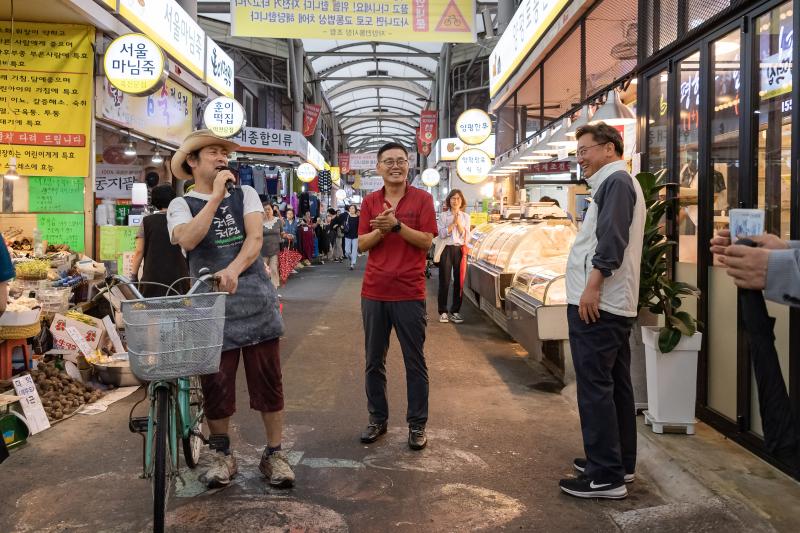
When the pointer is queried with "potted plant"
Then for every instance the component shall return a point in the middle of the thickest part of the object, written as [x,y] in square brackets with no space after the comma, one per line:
[671,349]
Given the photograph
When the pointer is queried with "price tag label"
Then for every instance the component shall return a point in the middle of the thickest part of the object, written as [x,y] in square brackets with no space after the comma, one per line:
[83,346]
[31,404]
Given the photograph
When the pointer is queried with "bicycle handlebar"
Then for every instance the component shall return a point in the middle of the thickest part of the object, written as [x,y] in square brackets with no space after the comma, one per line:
[131,292]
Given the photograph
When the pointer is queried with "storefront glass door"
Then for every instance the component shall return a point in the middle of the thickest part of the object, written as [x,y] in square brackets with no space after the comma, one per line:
[687,152]
[724,187]
[773,111]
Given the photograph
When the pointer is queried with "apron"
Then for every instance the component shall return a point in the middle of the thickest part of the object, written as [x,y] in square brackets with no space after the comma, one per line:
[251,315]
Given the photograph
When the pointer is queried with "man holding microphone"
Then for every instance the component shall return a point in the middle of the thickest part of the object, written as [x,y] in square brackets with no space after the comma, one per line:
[220,228]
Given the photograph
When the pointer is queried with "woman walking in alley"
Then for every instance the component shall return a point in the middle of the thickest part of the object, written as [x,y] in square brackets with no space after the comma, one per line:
[454,230]
[351,235]
[271,245]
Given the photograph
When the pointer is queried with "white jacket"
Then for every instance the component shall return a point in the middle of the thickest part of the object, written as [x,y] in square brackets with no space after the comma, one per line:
[610,240]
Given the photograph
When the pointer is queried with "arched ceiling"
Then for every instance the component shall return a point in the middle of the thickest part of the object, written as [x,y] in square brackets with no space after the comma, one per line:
[376,89]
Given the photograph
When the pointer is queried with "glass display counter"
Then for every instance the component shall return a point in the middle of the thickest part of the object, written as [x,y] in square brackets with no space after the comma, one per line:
[509,247]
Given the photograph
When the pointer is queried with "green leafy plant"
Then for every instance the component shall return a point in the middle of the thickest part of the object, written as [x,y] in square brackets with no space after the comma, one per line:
[657,291]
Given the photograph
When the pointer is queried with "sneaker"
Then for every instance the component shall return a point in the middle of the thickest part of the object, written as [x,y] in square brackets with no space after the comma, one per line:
[443,318]
[351,267]
[217,469]
[416,437]
[583,487]
[579,464]
[456,318]
[276,468]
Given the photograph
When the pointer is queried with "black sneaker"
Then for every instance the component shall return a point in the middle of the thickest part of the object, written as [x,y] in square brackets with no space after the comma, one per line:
[583,487]
[372,432]
[579,464]
[416,437]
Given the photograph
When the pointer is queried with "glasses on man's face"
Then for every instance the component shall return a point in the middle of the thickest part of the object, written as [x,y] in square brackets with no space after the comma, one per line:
[392,162]
[582,152]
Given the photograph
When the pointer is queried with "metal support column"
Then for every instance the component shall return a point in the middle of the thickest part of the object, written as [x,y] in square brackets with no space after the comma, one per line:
[505,12]
[190,6]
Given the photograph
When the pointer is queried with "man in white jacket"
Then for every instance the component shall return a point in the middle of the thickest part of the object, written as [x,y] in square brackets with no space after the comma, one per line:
[602,296]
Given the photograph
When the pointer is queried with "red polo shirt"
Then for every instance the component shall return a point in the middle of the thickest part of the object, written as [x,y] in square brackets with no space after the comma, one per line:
[396,269]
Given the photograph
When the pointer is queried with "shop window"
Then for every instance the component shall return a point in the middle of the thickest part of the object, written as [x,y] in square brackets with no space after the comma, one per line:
[657,123]
[699,11]
[562,77]
[611,43]
[687,152]
[724,186]
[773,108]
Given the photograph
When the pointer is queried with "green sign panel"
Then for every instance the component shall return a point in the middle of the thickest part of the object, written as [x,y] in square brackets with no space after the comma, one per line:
[50,193]
[62,229]
[116,240]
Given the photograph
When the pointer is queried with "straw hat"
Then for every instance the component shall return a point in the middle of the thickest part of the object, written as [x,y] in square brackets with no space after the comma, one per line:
[195,141]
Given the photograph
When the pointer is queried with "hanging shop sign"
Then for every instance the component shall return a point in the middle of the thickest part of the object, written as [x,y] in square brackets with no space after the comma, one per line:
[134,64]
[269,141]
[370,183]
[530,22]
[46,83]
[115,181]
[164,115]
[171,27]
[336,176]
[473,166]
[219,68]
[776,70]
[451,21]
[430,177]
[54,193]
[344,163]
[310,117]
[224,116]
[364,161]
[474,126]
[314,157]
[306,172]
[449,149]
[553,167]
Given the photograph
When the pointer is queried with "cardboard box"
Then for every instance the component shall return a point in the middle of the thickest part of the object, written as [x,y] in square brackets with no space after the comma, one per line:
[62,341]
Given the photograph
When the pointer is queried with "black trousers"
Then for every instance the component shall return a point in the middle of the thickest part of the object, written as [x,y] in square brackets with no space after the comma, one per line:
[409,320]
[450,265]
[602,357]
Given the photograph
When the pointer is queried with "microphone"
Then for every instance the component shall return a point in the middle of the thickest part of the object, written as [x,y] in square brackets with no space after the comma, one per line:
[229,185]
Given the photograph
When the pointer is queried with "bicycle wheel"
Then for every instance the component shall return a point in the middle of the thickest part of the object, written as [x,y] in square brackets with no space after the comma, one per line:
[193,444]
[160,464]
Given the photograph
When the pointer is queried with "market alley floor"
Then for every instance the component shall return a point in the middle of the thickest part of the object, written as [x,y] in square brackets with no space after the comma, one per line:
[498,446]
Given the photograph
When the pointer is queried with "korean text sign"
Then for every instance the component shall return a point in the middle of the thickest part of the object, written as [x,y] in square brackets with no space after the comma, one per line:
[45,117]
[451,21]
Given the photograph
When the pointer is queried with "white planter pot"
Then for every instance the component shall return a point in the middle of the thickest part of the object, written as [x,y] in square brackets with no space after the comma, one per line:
[671,379]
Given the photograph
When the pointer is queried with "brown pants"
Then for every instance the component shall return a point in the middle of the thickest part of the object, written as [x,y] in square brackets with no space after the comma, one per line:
[262,366]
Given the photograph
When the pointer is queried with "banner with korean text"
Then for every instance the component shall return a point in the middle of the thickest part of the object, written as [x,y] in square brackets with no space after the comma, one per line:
[46,80]
[344,163]
[310,118]
[437,21]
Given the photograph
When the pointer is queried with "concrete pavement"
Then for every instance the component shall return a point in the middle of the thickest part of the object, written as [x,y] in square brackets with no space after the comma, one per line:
[497,448]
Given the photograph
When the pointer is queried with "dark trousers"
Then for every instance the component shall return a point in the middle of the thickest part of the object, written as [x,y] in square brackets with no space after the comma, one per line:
[409,320]
[450,265]
[602,357]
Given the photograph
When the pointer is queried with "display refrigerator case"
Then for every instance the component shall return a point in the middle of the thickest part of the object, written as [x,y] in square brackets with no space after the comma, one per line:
[506,248]
[536,313]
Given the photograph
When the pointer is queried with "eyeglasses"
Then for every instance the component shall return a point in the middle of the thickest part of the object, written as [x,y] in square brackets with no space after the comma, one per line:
[392,162]
[582,152]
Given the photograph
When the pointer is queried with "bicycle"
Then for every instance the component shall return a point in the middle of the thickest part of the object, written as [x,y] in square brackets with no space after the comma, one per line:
[171,340]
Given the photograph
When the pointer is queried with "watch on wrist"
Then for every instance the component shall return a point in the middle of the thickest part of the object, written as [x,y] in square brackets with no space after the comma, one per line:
[396,227]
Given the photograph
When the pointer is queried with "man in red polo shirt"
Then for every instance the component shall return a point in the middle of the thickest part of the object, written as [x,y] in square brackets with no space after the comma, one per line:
[397,226]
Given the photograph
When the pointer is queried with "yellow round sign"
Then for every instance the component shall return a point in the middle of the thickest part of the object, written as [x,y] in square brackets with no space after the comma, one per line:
[474,126]
[306,172]
[473,166]
[135,64]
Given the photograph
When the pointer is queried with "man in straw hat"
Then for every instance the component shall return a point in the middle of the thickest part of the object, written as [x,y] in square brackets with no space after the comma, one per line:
[221,230]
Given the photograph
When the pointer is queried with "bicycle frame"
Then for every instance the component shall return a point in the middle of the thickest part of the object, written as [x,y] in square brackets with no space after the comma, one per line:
[181,422]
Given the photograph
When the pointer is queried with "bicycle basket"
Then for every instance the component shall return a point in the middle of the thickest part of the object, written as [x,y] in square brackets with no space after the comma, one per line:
[174,336]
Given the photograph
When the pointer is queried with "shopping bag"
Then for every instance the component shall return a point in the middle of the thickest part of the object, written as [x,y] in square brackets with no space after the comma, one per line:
[463,273]
[287,260]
